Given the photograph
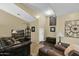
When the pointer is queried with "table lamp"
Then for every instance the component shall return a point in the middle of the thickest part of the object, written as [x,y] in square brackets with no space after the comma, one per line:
[14,33]
[60,35]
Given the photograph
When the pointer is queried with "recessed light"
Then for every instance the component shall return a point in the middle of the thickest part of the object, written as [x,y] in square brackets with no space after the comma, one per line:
[37,16]
[49,12]
[18,14]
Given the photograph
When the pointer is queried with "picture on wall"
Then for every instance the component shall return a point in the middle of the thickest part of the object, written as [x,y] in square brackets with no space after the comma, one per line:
[33,28]
[72,28]
[52,21]
[52,29]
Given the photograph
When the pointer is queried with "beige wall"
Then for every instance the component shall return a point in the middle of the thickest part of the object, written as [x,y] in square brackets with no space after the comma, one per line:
[42,22]
[61,26]
[34,35]
[47,29]
[8,22]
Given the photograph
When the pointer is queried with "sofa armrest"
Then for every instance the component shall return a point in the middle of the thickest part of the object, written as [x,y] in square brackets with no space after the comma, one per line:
[73,53]
[60,47]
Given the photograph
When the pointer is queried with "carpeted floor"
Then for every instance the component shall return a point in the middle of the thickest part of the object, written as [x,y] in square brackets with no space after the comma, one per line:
[35,48]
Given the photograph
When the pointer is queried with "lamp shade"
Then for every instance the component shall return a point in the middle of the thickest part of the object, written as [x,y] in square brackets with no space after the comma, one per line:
[14,32]
[60,34]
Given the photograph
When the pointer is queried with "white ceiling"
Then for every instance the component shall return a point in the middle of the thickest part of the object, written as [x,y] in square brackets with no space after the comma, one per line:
[65,8]
[16,11]
[58,8]
[41,7]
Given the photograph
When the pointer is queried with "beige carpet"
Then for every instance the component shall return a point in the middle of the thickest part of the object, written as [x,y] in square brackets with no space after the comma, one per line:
[35,48]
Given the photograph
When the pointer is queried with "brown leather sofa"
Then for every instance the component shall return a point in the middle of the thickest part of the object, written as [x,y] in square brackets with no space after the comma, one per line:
[51,49]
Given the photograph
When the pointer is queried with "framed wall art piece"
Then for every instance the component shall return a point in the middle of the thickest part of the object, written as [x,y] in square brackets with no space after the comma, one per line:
[72,28]
[52,21]
[33,28]
[52,29]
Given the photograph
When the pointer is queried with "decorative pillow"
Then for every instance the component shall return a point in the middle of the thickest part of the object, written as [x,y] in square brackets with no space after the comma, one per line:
[65,44]
[60,47]
[70,48]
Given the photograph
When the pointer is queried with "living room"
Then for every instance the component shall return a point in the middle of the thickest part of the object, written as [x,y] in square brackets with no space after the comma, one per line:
[46,29]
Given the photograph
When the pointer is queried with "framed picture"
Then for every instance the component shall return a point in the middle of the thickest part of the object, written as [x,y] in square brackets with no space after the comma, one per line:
[72,28]
[33,28]
[52,29]
[52,21]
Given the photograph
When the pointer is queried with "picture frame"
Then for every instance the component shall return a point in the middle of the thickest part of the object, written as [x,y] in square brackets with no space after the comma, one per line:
[52,21]
[33,28]
[72,28]
[52,29]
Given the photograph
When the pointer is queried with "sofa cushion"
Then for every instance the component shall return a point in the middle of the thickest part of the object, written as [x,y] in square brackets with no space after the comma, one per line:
[59,47]
[55,52]
[46,51]
[65,45]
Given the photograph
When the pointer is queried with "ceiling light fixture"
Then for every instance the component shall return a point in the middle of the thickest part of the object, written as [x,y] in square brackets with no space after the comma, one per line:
[49,12]
[37,16]
[18,14]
